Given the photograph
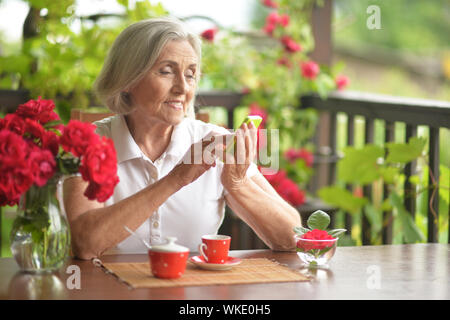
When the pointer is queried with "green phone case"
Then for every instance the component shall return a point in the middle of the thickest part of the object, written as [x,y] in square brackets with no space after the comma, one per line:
[256,121]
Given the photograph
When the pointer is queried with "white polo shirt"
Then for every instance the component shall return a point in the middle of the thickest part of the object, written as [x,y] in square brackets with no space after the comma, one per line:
[195,210]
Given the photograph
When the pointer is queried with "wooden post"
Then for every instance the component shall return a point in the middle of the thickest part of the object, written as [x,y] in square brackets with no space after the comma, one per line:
[321,28]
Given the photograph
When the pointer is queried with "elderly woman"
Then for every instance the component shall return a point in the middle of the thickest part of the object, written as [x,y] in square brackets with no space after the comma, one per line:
[149,80]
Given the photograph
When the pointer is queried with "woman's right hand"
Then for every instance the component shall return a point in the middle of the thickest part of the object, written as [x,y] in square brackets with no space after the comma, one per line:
[199,159]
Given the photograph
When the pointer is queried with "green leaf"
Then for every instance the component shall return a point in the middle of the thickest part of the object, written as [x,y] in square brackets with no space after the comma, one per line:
[301,230]
[336,232]
[414,179]
[342,198]
[318,220]
[405,152]
[411,233]
[389,174]
[375,217]
[360,165]
[444,182]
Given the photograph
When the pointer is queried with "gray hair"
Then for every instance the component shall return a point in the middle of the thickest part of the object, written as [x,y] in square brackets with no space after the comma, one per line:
[133,54]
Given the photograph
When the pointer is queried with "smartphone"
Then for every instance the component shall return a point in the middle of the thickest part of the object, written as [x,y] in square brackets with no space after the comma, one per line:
[256,121]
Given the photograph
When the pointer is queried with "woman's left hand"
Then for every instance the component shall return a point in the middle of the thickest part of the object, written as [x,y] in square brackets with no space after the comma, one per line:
[236,163]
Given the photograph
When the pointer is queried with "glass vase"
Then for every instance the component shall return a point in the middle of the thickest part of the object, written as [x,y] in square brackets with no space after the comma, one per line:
[40,236]
[315,253]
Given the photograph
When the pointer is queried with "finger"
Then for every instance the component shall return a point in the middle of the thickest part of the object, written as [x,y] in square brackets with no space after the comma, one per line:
[241,152]
[248,147]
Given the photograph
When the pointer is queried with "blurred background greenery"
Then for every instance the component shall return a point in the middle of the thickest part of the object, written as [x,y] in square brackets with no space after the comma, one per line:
[408,56]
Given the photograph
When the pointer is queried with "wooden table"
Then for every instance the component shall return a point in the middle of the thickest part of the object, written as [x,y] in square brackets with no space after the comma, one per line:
[418,271]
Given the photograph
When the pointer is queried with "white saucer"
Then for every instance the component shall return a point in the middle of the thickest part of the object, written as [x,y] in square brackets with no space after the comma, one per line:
[200,262]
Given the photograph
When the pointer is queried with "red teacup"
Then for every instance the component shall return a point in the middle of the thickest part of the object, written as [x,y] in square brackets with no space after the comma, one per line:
[168,261]
[214,248]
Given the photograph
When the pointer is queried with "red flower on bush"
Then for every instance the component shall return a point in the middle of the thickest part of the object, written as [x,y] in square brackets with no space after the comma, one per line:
[270,3]
[290,192]
[273,19]
[342,81]
[286,188]
[290,45]
[293,154]
[209,34]
[315,239]
[310,69]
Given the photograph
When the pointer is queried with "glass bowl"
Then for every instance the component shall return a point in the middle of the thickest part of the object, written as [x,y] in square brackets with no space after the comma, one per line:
[315,253]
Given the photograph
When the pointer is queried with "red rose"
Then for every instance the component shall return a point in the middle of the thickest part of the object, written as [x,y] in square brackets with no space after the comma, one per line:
[14,182]
[42,165]
[50,141]
[15,174]
[270,3]
[78,136]
[341,82]
[293,154]
[290,45]
[209,34]
[310,69]
[100,192]
[322,237]
[38,110]
[13,122]
[13,149]
[33,130]
[99,167]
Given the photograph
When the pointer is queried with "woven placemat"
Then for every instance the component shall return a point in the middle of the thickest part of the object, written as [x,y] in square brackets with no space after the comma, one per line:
[259,270]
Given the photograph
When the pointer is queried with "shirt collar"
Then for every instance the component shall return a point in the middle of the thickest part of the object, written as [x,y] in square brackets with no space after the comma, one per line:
[125,145]
[127,148]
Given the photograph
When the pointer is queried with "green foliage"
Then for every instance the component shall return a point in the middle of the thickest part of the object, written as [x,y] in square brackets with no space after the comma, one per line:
[318,220]
[342,198]
[415,25]
[370,165]
[360,166]
[251,63]
[61,64]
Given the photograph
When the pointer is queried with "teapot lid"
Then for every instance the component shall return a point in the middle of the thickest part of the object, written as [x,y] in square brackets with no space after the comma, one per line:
[170,246]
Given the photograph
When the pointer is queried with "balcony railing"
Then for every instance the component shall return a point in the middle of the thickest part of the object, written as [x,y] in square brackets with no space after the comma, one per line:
[354,107]
[390,113]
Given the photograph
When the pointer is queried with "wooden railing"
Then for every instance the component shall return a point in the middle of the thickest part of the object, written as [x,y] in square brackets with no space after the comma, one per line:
[370,108]
[412,113]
